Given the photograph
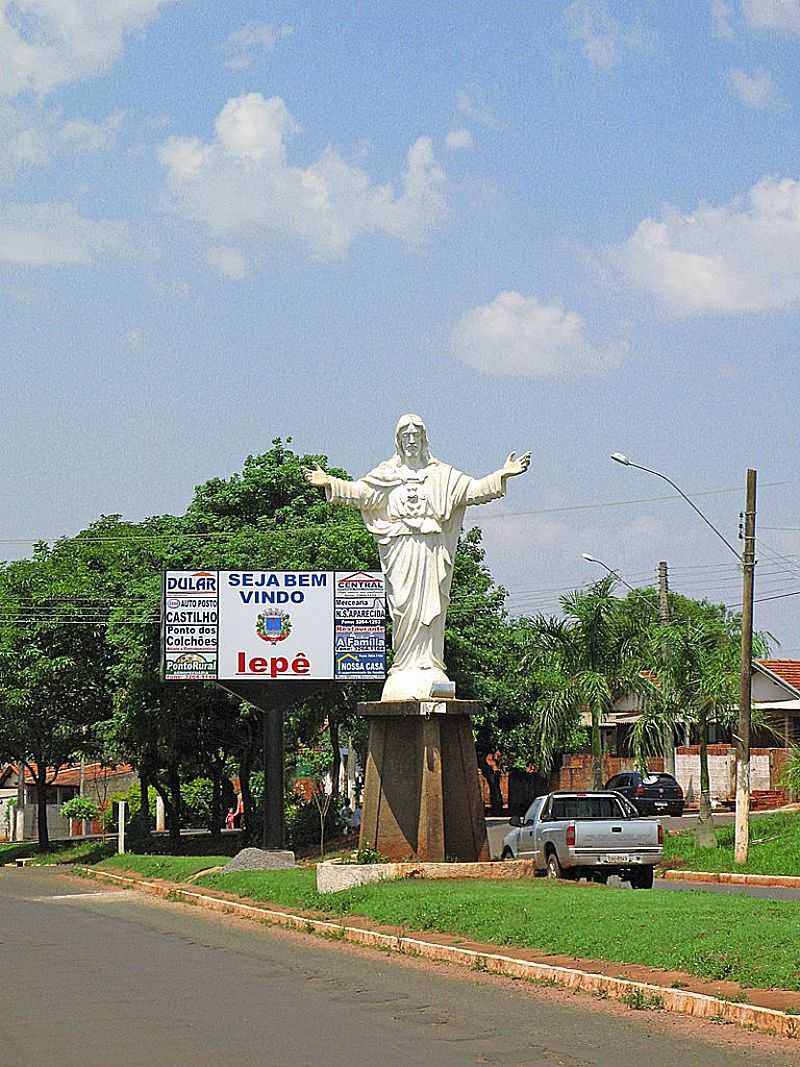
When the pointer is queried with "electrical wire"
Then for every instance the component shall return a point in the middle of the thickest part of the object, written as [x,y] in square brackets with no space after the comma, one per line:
[90,539]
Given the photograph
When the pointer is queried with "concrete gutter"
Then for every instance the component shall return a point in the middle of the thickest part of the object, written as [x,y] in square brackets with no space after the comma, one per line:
[779,881]
[654,996]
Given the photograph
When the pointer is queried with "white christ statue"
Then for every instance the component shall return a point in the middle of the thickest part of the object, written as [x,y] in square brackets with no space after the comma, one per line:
[413,505]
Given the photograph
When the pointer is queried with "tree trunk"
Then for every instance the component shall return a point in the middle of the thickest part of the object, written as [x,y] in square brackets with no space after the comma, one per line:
[174,810]
[41,807]
[336,762]
[706,838]
[597,751]
[144,802]
[492,777]
[215,815]
[247,798]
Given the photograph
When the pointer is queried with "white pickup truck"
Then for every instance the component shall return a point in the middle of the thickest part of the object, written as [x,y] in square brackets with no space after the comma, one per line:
[589,835]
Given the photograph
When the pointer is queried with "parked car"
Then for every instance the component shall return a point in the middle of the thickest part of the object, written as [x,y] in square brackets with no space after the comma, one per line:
[590,835]
[650,794]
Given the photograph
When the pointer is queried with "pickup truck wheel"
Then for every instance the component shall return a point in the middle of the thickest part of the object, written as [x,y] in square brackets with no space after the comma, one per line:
[642,878]
[507,854]
[554,869]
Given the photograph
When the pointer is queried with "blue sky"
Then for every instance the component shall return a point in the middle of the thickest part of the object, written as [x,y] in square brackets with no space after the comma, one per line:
[572,227]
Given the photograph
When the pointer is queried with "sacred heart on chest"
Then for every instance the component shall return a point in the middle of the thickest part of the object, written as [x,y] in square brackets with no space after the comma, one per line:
[413,501]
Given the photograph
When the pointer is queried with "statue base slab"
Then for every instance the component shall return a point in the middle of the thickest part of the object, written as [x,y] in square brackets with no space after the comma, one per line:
[422,797]
[413,683]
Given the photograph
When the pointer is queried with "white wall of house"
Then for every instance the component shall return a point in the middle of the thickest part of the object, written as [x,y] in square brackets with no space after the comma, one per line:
[721,773]
[57,825]
[7,813]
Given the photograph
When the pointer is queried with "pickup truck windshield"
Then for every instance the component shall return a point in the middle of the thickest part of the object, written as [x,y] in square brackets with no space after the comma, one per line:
[586,808]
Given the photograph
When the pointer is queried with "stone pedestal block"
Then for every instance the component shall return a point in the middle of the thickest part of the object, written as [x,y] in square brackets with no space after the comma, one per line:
[422,798]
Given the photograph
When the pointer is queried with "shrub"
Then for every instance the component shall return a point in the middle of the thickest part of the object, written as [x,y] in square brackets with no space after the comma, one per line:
[366,855]
[302,822]
[791,770]
[197,797]
[79,808]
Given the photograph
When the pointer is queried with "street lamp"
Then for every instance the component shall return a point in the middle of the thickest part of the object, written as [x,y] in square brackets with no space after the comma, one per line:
[611,571]
[747,559]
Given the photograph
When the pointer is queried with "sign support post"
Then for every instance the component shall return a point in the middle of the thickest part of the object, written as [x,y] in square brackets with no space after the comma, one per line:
[272,702]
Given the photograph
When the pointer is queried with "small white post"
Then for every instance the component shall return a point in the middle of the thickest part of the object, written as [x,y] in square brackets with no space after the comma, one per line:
[161,821]
[121,828]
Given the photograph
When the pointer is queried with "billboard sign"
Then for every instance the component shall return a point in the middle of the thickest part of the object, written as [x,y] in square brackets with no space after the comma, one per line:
[275,624]
[189,619]
[359,626]
[272,625]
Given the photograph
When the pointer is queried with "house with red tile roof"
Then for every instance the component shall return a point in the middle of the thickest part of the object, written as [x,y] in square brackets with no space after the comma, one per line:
[776,692]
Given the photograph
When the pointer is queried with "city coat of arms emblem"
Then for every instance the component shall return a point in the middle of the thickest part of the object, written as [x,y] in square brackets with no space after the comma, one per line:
[273,626]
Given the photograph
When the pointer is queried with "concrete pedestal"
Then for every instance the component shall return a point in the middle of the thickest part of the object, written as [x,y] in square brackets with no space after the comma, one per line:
[422,798]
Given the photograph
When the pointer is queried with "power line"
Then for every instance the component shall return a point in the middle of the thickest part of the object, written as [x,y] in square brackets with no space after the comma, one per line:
[760,600]
[89,539]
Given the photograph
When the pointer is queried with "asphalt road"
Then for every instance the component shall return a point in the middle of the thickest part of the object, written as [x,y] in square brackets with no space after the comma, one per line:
[104,978]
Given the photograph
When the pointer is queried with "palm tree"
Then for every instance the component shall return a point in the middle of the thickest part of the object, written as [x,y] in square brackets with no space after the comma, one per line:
[587,660]
[696,662]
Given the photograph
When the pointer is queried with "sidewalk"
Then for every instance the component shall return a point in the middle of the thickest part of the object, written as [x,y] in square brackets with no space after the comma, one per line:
[769,1010]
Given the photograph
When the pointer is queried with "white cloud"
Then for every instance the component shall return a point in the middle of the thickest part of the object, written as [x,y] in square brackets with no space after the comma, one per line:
[44,43]
[134,339]
[600,35]
[28,146]
[471,104]
[242,184]
[85,135]
[756,90]
[773,14]
[721,17]
[243,46]
[744,256]
[457,139]
[54,233]
[518,335]
[230,262]
[30,136]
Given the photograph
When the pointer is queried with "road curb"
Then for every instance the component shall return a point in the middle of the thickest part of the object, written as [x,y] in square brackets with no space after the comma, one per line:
[778,881]
[637,994]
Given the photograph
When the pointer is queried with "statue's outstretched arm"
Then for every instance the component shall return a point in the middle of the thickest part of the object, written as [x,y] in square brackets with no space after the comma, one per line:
[515,465]
[338,491]
[493,486]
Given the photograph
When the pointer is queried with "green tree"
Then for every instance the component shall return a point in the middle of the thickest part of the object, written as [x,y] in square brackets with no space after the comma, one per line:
[53,662]
[696,662]
[313,761]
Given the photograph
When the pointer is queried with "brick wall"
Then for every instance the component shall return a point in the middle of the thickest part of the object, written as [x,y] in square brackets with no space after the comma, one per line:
[576,769]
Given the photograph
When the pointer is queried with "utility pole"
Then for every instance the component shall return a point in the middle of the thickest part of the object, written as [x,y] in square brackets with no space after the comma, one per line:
[663,618]
[745,694]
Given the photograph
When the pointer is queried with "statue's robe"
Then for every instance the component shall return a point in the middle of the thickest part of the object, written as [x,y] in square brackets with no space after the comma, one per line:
[415,517]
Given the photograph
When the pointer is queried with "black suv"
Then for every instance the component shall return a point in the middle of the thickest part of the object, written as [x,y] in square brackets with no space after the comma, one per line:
[650,794]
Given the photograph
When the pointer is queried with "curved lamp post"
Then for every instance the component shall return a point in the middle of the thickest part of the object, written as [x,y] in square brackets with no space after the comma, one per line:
[605,566]
[747,559]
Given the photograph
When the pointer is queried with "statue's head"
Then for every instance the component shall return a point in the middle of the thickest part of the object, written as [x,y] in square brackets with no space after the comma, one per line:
[411,439]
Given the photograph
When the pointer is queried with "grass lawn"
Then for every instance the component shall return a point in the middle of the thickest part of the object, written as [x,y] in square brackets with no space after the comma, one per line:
[171,868]
[774,848]
[753,942]
[61,852]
